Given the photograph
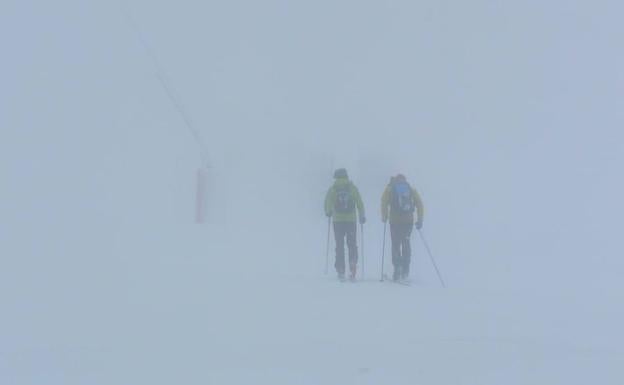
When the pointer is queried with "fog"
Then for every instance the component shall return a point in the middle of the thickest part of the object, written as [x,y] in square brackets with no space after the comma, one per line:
[505,116]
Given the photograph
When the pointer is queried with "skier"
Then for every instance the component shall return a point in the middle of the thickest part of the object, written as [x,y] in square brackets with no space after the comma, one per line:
[398,203]
[341,201]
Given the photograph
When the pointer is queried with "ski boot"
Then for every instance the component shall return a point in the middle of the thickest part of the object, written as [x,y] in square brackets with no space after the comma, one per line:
[397,274]
[353,270]
[405,273]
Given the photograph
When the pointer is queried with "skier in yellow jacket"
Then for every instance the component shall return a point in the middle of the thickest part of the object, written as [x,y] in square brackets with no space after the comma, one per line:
[398,203]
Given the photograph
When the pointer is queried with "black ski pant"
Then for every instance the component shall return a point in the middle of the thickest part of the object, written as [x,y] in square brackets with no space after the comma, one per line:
[401,249]
[346,230]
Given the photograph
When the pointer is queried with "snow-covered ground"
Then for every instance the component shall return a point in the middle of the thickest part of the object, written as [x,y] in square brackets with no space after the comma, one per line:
[192,305]
[506,117]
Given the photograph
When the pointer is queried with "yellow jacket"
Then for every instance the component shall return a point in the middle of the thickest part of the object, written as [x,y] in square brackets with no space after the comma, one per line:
[387,211]
[330,201]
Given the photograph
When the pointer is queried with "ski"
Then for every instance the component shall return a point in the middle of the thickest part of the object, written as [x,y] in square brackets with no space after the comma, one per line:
[399,282]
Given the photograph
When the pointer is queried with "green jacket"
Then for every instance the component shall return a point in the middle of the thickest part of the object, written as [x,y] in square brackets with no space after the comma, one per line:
[398,217]
[330,201]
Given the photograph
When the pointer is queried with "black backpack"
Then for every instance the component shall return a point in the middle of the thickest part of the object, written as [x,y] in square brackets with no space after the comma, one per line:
[402,197]
[344,199]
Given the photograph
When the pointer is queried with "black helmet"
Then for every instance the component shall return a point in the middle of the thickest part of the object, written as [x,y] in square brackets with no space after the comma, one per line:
[341,173]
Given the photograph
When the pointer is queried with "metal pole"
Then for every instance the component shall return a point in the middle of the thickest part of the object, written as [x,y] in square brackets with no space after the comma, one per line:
[383,252]
[432,259]
[162,78]
[362,241]
[327,249]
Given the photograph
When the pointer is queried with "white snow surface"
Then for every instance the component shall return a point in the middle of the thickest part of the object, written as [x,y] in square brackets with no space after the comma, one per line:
[506,117]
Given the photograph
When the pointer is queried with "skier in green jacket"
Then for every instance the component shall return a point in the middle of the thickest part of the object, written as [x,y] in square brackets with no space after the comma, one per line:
[341,202]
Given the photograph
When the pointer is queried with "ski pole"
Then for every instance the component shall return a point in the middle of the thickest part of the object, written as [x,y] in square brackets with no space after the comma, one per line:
[432,259]
[327,249]
[362,241]
[383,252]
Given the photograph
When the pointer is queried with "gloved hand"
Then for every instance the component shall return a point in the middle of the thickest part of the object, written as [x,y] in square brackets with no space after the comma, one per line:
[362,220]
[418,225]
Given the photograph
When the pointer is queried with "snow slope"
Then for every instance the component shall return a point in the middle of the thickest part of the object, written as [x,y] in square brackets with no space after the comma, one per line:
[176,311]
[506,117]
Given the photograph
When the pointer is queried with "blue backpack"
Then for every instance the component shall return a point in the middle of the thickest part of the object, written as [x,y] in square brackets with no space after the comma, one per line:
[402,198]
